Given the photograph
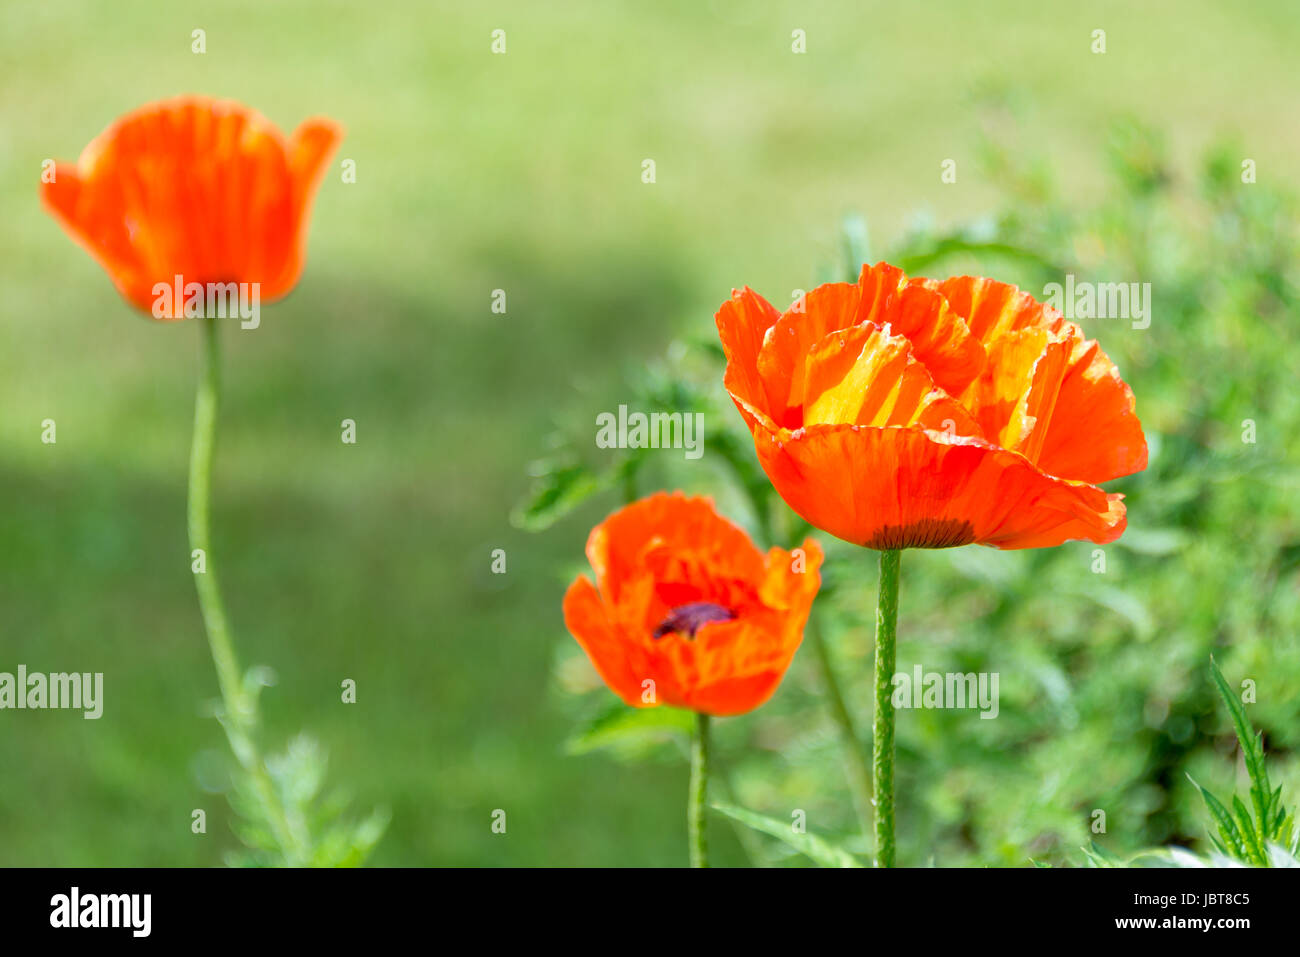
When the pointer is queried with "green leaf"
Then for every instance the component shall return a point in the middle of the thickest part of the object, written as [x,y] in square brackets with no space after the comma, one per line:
[917,260]
[1227,828]
[1252,749]
[621,726]
[1098,856]
[558,490]
[1288,828]
[348,843]
[820,851]
[1254,849]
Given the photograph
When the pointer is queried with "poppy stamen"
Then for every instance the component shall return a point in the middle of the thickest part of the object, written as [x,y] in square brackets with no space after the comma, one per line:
[687,619]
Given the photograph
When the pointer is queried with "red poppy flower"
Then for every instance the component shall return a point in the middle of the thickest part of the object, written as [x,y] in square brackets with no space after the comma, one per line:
[686,611]
[911,413]
[204,189]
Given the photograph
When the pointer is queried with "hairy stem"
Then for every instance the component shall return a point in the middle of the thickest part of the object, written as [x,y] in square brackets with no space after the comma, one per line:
[882,731]
[698,798]
[240,717]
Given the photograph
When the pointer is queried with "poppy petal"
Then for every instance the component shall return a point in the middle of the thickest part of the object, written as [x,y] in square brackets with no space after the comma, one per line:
[1013,398]
[786,586]
[309,152]
[676,537]
[824,310]
[939,335]
[737,695]
[743,322]
[1093,433]
[863,375]
[884,296]
[620,664]
[208,190]
[98,223]
[686,611]
[993,309]
[731,667]
[913,488]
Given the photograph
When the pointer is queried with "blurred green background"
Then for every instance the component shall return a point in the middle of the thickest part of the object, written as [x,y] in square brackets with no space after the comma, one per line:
[523,172]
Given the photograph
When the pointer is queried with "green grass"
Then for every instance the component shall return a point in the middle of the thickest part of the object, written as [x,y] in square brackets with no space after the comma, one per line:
[475,172]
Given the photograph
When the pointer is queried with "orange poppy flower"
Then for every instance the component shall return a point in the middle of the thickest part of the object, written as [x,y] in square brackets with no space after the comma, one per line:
[912,413]
[686,611]
[204,189]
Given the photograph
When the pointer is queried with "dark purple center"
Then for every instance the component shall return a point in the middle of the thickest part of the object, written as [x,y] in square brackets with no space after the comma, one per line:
[688,619]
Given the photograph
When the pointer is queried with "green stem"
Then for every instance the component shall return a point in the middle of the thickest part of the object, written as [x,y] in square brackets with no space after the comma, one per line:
[858,770]
[698,798]
[206,403]
[882,731]
[240,717]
